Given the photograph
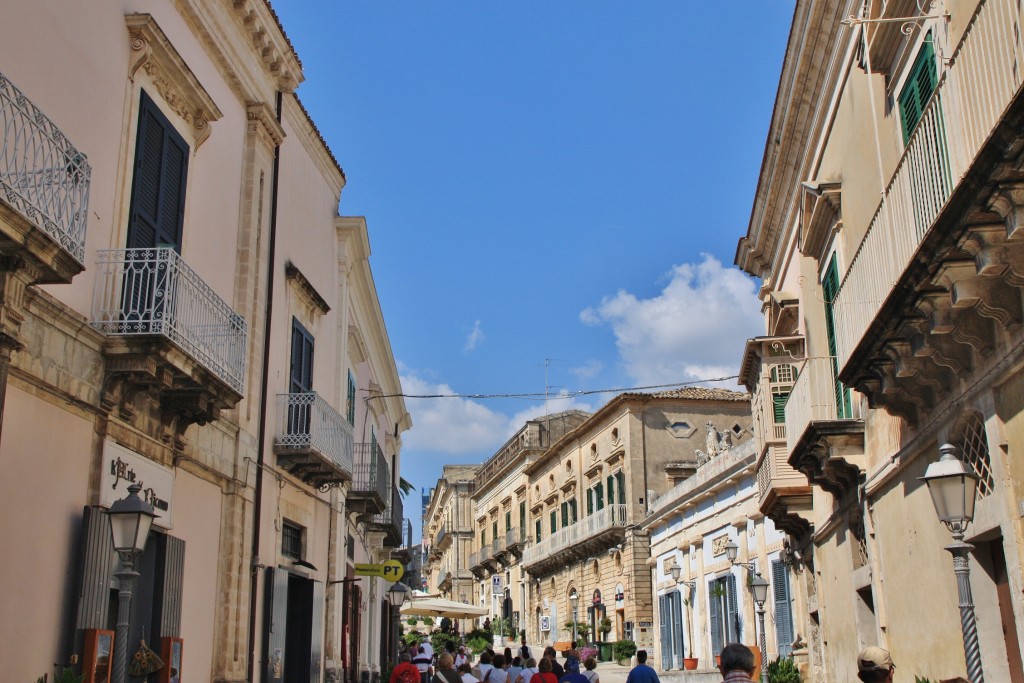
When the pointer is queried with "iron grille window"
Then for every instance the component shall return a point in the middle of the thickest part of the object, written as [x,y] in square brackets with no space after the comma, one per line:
[974,447]
[350,401]
[291,540]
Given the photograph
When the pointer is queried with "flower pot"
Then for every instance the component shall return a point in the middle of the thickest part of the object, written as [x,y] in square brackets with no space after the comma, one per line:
[690,663]
[718,660]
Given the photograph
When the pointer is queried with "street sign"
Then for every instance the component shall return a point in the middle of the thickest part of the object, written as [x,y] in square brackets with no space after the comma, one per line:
[392,570]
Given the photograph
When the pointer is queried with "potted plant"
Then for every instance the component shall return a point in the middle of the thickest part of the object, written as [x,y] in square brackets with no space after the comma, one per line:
[412,621]
[622,650]
[428,621]
[689,663]
[783,670]
[605,627]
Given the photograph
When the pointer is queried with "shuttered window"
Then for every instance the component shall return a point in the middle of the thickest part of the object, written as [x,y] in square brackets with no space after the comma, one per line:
[735,628]
[715,616]
[538,528]
[565,514]
[599,495]
[590,502]
[918,89]
[620,478]
[783,608]
[666,633]
[678,640]
[573,513]
[522,520]
[830,289]
[350,400]
[554,521]
[611,489]
[158,184]
[301,373]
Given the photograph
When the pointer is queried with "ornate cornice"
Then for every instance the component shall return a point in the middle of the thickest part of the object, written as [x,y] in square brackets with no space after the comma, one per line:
[269,41]
[263,114]
[153,52]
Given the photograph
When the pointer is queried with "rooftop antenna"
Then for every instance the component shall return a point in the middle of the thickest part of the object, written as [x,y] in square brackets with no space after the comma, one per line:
[548,387]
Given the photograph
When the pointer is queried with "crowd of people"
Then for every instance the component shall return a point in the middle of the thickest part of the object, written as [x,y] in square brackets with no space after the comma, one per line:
[420,664]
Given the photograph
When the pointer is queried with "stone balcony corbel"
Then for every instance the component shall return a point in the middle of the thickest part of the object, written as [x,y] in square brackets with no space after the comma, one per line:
[1008,202]
[988,295]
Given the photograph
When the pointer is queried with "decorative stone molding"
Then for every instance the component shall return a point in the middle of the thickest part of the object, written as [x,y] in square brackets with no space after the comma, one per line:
[820,217]
[718,545]
[153,52]
[269,42]
[263,114]
[310,297]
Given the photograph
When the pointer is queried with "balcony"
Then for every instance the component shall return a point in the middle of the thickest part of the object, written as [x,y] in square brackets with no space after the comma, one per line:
[371,480]
[784,495]
[443,538]
[167,329]
[825,433]
[390,521]
[478,561]
[44,190]
[592,534]
[515,541]
[939,272]
[313,441]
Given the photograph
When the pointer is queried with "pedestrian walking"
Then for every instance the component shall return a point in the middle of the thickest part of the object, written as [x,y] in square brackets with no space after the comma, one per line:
[423,663]
[737,664]
[874,665]
[405,671]
[528,671]
[544,673]
[589,664]
[446,672]
[641,673]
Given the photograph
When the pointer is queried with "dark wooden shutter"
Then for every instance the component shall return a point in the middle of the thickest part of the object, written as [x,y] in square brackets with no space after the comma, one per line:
[350,403]
[621,479]
[301,372]
[158,185]
[538,527]
[275,624]
[734,630]
[97,561]
[599,495]
[611,489]
[573,513]
[565,514]
[554,522]
[830,289]
[715,614]
[783,608]
[522,520]
[918,88]
[590,502]
[316,645]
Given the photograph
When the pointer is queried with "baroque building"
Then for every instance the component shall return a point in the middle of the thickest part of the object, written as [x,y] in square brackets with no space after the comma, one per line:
[885,229]
[183,308]
[448,524]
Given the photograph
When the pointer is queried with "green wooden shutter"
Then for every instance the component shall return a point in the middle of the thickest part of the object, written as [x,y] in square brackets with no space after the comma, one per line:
[554,521]
[611,489]
[779,406]
[590,502]
[573,512]
[565,514]
[621,479]
[920,84]
[666,636]
[508,521]
[830,289]
[599,494]
[522,520]
[350,402]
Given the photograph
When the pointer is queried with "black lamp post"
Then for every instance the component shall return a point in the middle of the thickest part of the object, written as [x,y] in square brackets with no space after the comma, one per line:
[953,488]
[398,594]
[759,589]
[130,521]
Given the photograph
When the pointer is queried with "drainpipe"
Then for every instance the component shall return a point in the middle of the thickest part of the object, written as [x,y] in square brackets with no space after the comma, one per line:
[261,436]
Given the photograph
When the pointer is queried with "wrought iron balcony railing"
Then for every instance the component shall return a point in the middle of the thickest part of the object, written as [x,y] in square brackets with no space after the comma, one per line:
[609,517]
[146,292]
[42,175]
[391,518]
[371,474]
[306,422]
[982,78]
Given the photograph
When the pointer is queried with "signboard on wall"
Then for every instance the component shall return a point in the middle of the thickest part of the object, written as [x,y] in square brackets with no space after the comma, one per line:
[545,623]
[495,584]
[620,596]
[123,467]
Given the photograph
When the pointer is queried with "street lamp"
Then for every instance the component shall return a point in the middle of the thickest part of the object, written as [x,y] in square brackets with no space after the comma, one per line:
[398,594]
[953,489]
[130,521]
[759,587]
[574,600]
[675,571]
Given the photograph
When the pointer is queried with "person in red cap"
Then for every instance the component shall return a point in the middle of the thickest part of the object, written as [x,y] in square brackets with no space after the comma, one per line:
[874,665]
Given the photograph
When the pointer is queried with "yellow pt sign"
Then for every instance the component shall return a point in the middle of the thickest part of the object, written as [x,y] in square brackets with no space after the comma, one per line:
[392,570]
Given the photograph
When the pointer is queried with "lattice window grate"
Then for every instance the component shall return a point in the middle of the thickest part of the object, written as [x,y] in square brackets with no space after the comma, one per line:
[783,374]
[974,446]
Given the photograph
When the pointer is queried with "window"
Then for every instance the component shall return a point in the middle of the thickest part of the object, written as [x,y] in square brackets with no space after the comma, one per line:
[599,495]
[537,528]
[158,186]
[573,512]
[920,84]
[291,540]
[522,519]
[508,521]
[974,452]
[494,530]
[611,489]
[483,537]
[723,612]
[565,514]
[350,400]
[830,289]
[554,521]
[783,608]
[301,373]
[620,479]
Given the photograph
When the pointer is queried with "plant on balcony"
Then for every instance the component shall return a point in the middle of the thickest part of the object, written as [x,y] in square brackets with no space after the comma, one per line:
[623,649]
[605,628]
[582,628]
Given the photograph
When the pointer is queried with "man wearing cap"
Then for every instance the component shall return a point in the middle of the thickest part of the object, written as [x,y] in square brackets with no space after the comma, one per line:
[874,665]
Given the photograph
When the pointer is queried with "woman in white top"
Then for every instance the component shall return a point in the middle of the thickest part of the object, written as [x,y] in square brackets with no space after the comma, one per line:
[528,671]
[499,673]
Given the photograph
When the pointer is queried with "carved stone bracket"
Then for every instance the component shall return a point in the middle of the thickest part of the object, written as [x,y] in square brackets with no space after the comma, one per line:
[830,454]
[153,52]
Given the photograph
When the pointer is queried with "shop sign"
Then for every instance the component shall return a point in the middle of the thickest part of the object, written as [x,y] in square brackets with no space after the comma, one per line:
[391,570]
[123,467]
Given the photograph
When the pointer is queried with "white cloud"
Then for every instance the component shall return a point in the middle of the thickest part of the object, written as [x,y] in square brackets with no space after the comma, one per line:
[587,370]
[449,425]
[476,335]
[555,404]
[694,329]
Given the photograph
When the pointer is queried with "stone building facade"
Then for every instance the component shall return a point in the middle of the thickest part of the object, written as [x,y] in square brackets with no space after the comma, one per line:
[885,231]
[183,308]
[709,604]
[448,524]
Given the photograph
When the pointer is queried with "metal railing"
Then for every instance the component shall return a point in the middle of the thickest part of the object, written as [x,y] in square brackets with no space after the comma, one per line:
[42,175]
[371,473]
[982,79]
[142,292]
[606,518]
[307,421]
[394,515]
[814,398]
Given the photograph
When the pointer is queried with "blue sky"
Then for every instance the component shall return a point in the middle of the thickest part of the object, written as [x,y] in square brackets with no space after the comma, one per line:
[559,180]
